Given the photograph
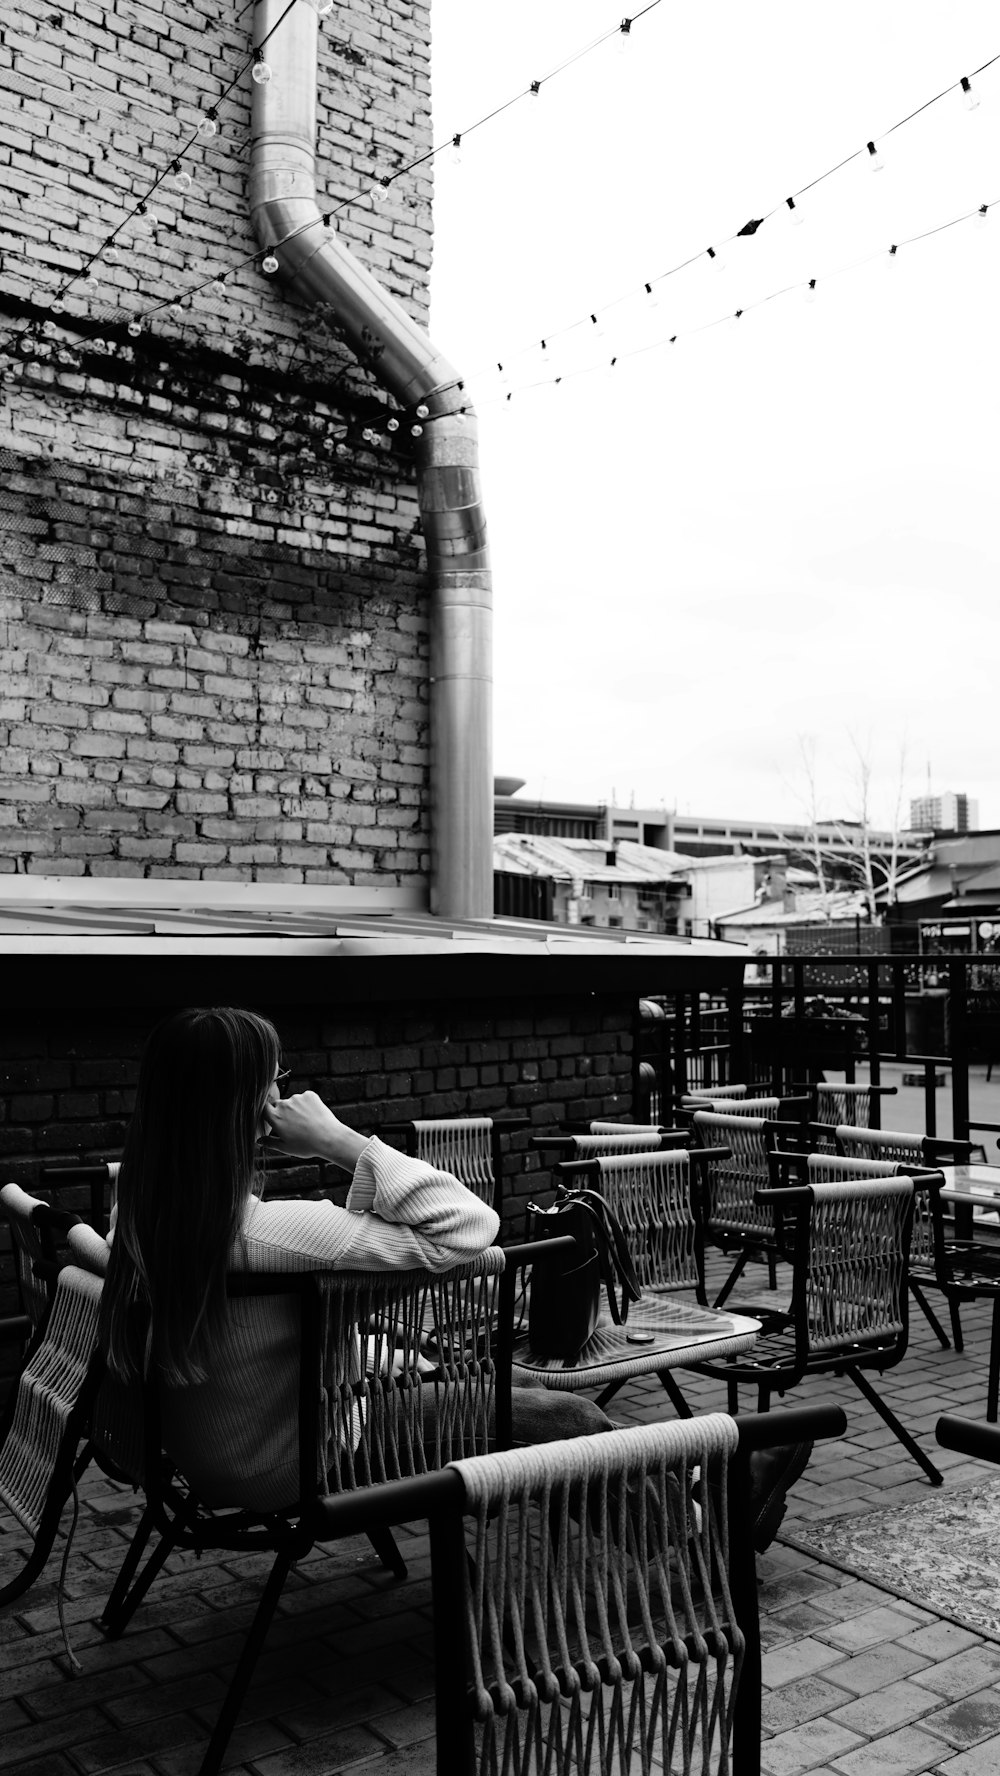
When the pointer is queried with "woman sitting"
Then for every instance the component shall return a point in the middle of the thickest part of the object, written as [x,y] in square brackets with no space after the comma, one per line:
[189,1209]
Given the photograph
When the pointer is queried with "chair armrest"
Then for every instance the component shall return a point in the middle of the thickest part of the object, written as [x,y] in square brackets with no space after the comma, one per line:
[89,1249]
[969,1436]
[791,1194]
[939,1151]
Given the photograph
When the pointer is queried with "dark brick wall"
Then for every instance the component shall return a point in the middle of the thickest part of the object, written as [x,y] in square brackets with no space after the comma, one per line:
[213,614]
[67,1083]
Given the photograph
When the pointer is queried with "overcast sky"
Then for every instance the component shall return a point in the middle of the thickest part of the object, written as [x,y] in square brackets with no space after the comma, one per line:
[780,533]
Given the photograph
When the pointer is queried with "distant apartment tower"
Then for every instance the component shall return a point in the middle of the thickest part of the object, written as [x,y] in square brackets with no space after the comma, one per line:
[944,813]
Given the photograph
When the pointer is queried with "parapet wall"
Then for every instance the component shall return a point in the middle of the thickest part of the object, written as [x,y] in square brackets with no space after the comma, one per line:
[213,617]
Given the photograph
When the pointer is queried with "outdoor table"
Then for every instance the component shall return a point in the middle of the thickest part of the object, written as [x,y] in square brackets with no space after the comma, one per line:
[974,1192]
[679,1332]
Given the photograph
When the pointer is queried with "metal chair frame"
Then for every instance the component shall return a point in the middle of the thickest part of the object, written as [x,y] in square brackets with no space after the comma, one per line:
[848,1314]
[348,1321]
[36,1230]
[522,1542]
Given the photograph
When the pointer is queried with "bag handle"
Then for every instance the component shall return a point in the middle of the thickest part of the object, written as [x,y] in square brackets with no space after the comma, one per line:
[614,1257]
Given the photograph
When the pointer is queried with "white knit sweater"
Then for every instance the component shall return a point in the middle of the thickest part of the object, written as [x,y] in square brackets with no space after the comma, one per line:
[235,1436]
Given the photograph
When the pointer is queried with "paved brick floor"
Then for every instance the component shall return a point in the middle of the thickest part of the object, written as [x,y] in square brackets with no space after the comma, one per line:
[856,1681]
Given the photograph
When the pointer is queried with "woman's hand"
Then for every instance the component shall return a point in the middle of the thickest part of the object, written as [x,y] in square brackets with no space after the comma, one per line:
[306,1128]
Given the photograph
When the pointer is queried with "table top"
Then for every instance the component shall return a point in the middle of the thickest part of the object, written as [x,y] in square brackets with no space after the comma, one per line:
[971,1184]
[680,1332]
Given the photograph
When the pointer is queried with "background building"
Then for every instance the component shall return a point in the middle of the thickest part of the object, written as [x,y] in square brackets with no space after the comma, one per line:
[944,813]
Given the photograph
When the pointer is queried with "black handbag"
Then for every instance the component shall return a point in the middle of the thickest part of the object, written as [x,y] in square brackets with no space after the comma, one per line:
[565,1299]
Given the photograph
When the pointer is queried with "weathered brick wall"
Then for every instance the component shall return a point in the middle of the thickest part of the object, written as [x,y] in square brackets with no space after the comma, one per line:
[67,1083]
[213,620]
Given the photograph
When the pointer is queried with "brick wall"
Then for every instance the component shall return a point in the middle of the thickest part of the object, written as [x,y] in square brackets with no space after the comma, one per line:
[67,1083]
[213,621]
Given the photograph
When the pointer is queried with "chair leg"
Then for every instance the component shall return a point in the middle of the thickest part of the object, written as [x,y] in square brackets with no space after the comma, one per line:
[994,1381]
[123,1602]
[674,1394]
[733,1398]
[899,1431]
[245,1665]
[384,1543]
[763,1397]
[608,1393]
[928,1312]
[772,1272]
[733,1277]
[955,1308]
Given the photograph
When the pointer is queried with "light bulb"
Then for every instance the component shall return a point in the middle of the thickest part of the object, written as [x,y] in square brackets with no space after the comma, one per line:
[260,72]
[416,431]
[810,291]
[970,98]
[48,328]
[182,178]
[456,151]
[146,221]
[423,411]
[598,327]
[368,436]
[392,425]
[982,213]
[341,449]
[874,159]
[891,255]
[716,257]
[624,36]
[795,214]
[174,310]
[58,305]
[269,264]
[652,296]
[135,328]
[380,192]
[208,126]
[218,286]
[111,256]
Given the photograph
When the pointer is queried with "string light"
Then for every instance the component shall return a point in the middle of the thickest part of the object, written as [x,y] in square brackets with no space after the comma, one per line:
[182,178]
[208,126]
[269,263]
[261,70]
[810,291]
[982,213]
[794,212]
[624,36]
[423,411]
[456,150]
[716,257]
[874,158]
[970,99]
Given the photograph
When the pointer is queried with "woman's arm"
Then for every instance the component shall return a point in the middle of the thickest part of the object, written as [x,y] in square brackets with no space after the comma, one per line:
[401,1213]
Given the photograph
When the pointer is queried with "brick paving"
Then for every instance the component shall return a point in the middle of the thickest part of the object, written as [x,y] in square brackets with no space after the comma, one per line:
[857,1682]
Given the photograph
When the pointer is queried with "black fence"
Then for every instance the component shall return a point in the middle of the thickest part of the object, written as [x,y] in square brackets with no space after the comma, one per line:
[797,1017]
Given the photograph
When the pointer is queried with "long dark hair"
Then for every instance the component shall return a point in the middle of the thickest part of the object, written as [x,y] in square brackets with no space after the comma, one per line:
[189,1165]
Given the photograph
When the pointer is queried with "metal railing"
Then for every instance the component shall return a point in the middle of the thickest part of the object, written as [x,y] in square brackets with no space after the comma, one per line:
[800,1016]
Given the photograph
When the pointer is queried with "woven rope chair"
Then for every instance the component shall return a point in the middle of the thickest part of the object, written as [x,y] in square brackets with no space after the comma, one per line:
[101,1178]
[377,1351]
[595,1601]
[734,1219]
[469,1147]
[848,1311]
[46,1418]
[844,1103]
[929,1268]
[37,1233]
[717,1091]
[656,1198]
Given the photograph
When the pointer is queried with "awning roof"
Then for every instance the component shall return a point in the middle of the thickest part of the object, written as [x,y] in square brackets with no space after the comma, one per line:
[179,940]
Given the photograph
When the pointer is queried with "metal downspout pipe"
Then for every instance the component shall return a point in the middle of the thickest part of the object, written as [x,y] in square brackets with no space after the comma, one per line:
[315,268]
